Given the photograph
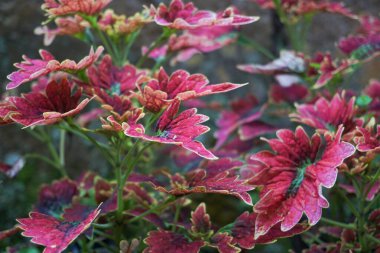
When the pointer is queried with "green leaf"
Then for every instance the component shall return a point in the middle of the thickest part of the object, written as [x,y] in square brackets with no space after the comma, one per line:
[363,100]
[29,250]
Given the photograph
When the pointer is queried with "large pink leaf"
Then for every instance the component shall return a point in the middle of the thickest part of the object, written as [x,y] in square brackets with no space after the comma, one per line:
[52,233]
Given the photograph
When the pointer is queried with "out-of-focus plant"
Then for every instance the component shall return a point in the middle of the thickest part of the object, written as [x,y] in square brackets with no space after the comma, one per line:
[129,110]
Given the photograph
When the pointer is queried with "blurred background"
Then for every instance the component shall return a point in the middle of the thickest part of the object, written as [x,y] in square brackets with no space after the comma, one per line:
[19,18]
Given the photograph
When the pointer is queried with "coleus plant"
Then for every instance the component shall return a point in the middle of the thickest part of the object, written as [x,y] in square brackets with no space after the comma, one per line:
[154,197]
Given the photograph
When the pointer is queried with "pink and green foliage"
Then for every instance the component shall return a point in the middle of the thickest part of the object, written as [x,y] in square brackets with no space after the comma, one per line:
[31,69]
[293,175]
[186,16]
[48,107]
[294,157]
[325,115]
[56,8]
[366,43]
[52,233]
[179,129]
[179,85]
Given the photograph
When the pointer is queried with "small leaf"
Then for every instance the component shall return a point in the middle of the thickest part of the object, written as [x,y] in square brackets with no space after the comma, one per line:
[363,100]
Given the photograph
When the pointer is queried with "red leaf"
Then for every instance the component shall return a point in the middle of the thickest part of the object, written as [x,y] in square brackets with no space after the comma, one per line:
[186,16]
[63,7]
[169,242]
[33,68]
[326,115]
[224,243]
[180,130]
[45,109]
[243,231]
[52,233]
[292,177]
[55,197]
[200,220]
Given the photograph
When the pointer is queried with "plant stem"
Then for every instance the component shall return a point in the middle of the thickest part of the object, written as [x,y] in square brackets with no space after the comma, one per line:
[84,134]
[103,234]
[131,40]
[101,243]
[296,32]
[42,158]
[62,147]
[142,215]
[120,184]
[176,216]
[369,187]
[121,179]
[314,237]
[374,201]
[158,42]
[159,63]
[349,203]
[56,158]
[154,209]
[104,226]
[120,190]
[373,239]
[104,41]
[337,223]
[251,43]
[83,245]
[120,195]
[131,165]
[110,47]
[42,136]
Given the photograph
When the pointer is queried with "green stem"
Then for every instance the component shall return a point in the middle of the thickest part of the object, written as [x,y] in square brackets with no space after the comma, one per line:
[120,184]
[42,158]
[42,136]
[305,29]
[35,135]
[101,243]
[154,209]
[158,42]
[374,201]
[53,152]
[62,147]
[314,237]
[120,192]
[142,215]
[132,164]
[121,179]
[131,40]
[84,134]
[373,239]
[103,234]
[280,12]
[337,223]
[127,162]
[243,40]
[109,47]
[349,203]
[176,216]
[83,245]
[118,57]
[362,233]
[104,41]
[55,155]
[293,31]
[159,63]
[369,187]
[104,226]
